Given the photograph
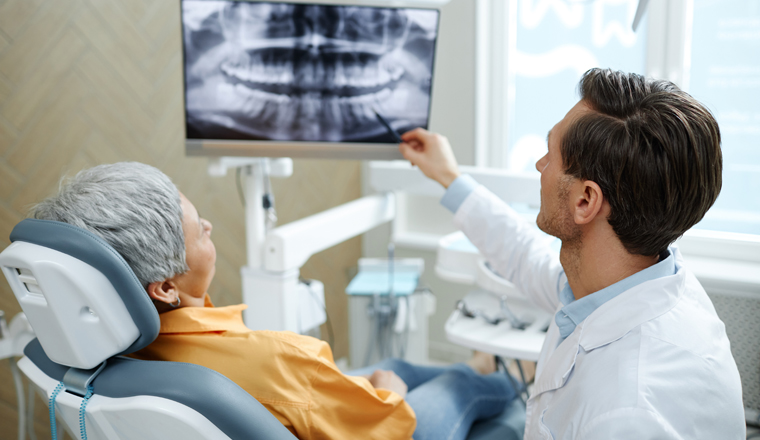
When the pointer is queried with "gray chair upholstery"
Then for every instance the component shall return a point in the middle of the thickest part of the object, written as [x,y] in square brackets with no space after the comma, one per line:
[230,408]
[221,401]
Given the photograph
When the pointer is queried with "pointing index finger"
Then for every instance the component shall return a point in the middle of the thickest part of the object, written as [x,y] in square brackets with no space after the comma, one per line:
[415,134]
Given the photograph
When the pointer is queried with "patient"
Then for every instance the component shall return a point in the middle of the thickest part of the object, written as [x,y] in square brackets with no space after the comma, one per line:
[140,213]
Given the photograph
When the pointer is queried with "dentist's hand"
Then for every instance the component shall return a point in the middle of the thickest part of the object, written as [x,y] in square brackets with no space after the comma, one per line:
[432,153]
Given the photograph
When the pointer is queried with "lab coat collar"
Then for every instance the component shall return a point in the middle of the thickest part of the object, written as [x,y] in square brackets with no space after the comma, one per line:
[559,365]
[610,322]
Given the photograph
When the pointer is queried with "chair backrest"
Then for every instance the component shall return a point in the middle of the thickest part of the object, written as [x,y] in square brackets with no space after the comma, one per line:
[80,296]
[87,307]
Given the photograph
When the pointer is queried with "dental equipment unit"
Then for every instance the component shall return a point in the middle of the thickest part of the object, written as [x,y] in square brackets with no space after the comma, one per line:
[388,310]
[516,330]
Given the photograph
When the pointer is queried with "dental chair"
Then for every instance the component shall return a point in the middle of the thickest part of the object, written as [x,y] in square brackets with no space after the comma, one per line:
[88,309]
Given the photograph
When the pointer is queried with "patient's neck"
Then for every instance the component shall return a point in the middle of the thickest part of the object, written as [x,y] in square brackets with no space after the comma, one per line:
[187,300]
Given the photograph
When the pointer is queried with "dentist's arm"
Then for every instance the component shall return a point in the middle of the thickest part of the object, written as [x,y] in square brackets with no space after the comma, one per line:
[513,247]
[432,154]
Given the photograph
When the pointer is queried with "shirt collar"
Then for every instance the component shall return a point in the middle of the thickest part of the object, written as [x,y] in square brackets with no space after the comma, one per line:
[203,319]
[575,311]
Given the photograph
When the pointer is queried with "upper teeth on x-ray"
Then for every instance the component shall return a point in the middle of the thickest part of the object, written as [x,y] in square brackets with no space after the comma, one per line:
[305,72]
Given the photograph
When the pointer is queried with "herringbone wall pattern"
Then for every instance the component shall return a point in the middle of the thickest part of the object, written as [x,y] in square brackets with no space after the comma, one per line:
[84,82]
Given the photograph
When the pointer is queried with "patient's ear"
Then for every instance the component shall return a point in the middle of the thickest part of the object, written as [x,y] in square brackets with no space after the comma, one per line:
[163,291]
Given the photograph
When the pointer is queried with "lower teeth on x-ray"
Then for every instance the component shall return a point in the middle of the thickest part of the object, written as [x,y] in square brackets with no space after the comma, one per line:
[295,72]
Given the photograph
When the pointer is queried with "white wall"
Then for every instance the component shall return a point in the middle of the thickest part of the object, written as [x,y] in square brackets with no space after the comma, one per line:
[453,112]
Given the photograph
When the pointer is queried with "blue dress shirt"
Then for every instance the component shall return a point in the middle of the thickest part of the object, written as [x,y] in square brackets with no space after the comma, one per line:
[574,311]
[458,191]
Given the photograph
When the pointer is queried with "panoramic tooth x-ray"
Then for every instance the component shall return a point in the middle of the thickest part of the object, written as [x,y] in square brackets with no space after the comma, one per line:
[301,72]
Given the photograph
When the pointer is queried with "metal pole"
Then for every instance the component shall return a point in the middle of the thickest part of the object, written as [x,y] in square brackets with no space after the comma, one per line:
[255,215]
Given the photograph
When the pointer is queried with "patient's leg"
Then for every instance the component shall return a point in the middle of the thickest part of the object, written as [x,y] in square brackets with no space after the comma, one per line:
[448,405]
[448,400]
[414,375]
[483,363]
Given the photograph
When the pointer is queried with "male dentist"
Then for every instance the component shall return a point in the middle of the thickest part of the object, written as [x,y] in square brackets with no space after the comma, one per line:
[635,350]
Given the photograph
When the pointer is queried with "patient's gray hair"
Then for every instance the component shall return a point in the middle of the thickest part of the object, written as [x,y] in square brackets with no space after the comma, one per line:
[134,207]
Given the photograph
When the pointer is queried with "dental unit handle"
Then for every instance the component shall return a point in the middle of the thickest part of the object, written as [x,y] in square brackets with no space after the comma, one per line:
[14,336]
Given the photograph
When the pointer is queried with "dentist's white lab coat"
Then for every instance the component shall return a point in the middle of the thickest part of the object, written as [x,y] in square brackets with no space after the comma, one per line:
[652,363]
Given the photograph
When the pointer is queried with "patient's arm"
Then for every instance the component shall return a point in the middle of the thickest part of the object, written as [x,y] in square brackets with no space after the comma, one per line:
[388,380]
[357,407]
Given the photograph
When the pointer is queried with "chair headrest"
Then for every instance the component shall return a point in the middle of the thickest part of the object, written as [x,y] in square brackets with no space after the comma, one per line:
[80,296]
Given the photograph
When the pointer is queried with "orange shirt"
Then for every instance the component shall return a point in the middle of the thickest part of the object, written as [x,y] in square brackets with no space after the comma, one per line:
[293,376]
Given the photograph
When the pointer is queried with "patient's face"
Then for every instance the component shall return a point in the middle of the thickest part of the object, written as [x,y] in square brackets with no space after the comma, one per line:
[200,252]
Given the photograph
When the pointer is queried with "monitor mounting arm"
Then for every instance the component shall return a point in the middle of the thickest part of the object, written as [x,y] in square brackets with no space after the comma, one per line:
[276,299]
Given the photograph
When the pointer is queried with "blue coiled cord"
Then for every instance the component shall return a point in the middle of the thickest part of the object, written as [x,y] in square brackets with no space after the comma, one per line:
[82,407]
[85,400]
[51,410]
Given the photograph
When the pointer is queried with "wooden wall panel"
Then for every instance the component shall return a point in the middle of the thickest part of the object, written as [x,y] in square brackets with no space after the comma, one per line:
[85,82]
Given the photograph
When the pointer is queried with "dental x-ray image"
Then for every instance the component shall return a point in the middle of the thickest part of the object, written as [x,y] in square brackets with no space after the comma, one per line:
[305,72]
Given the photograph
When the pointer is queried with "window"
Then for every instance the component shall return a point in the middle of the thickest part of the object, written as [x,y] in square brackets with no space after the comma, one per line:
[711,48]
[532,54]
[725,75]
[556,42]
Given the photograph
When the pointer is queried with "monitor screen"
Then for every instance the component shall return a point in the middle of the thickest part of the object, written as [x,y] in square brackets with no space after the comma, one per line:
[290,73]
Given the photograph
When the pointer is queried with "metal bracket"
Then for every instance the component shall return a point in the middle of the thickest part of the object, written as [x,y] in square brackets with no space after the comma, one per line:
[77,380]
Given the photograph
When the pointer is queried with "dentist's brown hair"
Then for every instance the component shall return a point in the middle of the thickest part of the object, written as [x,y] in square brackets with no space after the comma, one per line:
[654,151]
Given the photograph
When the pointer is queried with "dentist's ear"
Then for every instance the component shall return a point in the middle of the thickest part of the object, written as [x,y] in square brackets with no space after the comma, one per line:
[588,203]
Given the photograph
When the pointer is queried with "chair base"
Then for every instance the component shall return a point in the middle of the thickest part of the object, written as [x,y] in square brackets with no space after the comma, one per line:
[139,417]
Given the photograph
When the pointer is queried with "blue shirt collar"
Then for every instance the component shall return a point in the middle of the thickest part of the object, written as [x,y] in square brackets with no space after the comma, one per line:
[575,311]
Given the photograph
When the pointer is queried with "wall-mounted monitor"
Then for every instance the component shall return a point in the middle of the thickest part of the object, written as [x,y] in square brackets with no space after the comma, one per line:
[303,80]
